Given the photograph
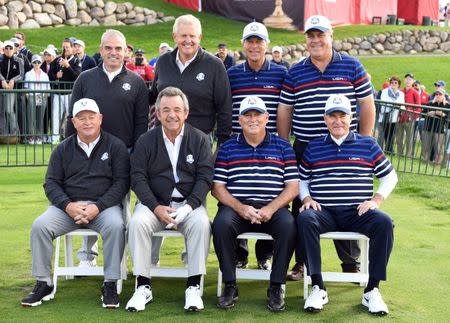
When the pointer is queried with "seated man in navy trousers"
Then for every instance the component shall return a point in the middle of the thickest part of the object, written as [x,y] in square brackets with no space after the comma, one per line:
[336,187]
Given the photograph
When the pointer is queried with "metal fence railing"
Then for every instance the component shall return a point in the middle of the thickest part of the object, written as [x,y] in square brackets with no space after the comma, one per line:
[32,122]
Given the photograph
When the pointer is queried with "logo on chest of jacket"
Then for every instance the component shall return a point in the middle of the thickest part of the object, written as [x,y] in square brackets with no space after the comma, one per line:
[190,159]
[200,76]
[126,86]
[104,157]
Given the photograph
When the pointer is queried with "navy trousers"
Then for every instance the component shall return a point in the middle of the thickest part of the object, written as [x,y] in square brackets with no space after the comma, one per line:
[375,224]
[228,225]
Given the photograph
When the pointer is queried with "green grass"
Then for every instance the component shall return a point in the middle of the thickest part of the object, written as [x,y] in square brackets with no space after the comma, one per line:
[416,290]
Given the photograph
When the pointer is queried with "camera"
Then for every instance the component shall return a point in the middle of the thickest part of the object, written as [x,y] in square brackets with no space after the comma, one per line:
[138,61]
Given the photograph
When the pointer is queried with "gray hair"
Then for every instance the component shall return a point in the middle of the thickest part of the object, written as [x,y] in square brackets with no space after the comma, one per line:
[113,32]
[171,92]
[187,20]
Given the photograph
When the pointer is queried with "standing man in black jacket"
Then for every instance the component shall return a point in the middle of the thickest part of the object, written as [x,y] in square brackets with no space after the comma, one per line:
[11,70]
[122,98]
[69,68]
[172,172]
[87,177]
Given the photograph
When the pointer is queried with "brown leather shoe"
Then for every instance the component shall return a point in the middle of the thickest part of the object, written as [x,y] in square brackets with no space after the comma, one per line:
[296,272]
[350,268]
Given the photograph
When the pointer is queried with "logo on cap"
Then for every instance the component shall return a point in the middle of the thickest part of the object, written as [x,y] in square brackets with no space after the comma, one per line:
[337,100]
[254,27]
[314,20]
[251,101]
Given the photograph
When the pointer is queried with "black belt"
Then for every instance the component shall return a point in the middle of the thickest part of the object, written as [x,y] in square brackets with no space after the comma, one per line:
[177,199]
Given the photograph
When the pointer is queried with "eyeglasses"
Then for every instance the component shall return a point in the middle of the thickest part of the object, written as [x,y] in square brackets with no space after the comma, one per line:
[438,93]
[8,48]
[36,62]
[16,45]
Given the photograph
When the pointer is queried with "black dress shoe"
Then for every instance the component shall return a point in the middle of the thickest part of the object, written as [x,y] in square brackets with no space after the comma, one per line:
[350,268]
[275,299]
[229,298]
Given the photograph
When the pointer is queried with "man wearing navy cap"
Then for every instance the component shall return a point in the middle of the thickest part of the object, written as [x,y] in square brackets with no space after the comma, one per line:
[302,102]
[336,183]
[255,178]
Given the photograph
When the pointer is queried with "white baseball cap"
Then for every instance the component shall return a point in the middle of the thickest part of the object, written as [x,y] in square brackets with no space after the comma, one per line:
[35,58]
[255,29]
[79,42]
[277,49]
[252,103]
[338,102]
[318,22]
[50,51]
[164,45]
[85,104]
[8,43]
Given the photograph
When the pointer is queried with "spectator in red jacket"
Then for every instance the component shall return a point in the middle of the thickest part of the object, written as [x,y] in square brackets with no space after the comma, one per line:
[139,66]
[404,129]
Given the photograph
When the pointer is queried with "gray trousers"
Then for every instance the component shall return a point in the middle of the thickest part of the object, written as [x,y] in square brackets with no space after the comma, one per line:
[8,116]
[54,222]
[196,229]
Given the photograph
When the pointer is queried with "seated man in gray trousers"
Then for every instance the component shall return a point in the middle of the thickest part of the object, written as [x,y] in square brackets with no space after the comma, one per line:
[171,174]
[87,177]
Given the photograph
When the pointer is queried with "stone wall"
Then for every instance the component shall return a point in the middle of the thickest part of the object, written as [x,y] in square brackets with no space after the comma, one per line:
[388,43]
[46,13]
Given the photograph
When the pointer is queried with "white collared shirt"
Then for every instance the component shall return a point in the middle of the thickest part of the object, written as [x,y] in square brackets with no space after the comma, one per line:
[340,140]
[88,148]
[173,150]
[180,64]
[111,75]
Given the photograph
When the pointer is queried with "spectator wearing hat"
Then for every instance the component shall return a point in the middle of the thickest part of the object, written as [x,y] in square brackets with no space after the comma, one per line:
[163,48]
[305,91]
[69,67]
[22,56]
[388,116]
[11,71]
[254,199]
[36,102]
[405,127]
[436,125]
[87,177]
[226,58]
[337,195]
[277,57]
[139,66]
[257,76]
[440,84]
[50,67]
[23,50]
[87,62]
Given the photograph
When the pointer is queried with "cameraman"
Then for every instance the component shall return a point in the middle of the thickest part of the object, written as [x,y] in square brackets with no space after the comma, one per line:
[139,66]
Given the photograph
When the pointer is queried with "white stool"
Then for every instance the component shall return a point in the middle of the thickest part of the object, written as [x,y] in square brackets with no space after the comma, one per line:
[256,274]
[172,272]
[362,277]
[69,270]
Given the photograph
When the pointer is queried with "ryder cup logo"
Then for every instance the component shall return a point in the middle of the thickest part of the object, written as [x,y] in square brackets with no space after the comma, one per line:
[251,101]
[190,159]
[105,156]
[200,77]
[314,21]
[254,27]
[337,100]
[126,86]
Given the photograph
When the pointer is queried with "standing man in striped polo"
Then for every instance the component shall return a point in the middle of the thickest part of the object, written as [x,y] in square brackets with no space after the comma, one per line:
[255,179]
[336,187]
[305,91]
[260,77]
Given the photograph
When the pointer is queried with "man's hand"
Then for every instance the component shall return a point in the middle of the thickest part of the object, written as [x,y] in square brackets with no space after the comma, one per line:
[309,203]
[371,204]
[90,212]
[5,85]
[64,63]
[266,213]
[59,74]
[249,213]
[180,214]
[11,84]
[164,214]
[76,211]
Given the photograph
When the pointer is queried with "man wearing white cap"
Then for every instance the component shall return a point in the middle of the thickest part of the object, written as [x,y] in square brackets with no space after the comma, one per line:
[305,91]
[257,76]
[277,57]
[336,184]
[87,177]
[87,62]
[163,48]
[255,178]
[11,70]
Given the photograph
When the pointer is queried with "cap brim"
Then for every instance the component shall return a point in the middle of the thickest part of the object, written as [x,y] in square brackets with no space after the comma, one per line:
[319,28]
[340,109]
[263,37]
[254,109]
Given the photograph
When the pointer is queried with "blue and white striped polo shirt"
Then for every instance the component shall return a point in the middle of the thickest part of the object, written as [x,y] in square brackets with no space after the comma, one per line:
[307,89]
[343,175]
[265,84]
[255,174]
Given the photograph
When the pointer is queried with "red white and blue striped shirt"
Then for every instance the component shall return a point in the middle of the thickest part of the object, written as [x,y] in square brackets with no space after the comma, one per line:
[256,175]
[343,175]
[265,84]
[307,89]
